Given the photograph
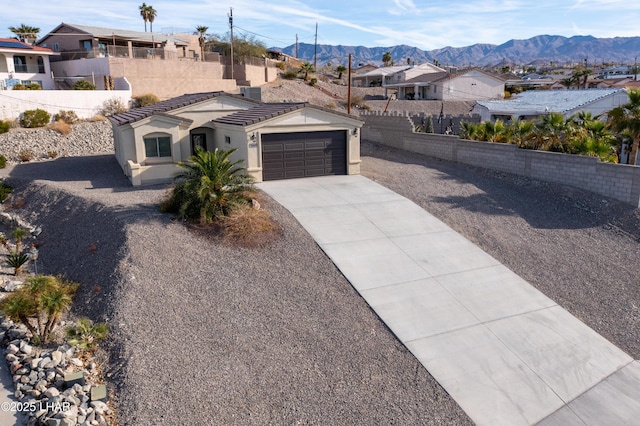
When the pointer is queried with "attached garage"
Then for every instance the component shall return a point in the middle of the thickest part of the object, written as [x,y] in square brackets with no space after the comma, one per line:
[304,154]
[273,140]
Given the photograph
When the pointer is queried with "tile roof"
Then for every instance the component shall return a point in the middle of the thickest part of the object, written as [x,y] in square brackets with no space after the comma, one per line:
[13,44]
[137,114]
[266,111]
[260,113]
[549,100]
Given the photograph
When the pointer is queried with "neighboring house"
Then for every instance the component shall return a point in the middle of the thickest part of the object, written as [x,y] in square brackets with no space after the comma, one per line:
[536,103]
[376,76]
[363,69]
[82,41]
[275,140]
[468,85]
[166,65]
[23,63]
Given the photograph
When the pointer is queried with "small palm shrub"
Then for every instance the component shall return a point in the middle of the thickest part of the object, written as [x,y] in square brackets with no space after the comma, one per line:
[4,126]
[145,100]
[69,117]
[209,187]
[85,333]
[16,260]
[32,118]
[113,106]
[83,85]
[39,305]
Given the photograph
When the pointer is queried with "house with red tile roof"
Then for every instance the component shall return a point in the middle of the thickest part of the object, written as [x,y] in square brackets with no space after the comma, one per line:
[23,63]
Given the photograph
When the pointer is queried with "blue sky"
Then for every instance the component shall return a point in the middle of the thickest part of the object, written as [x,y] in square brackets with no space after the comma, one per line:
[429,24]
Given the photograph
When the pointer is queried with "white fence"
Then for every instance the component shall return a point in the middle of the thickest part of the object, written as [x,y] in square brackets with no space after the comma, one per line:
[85,103]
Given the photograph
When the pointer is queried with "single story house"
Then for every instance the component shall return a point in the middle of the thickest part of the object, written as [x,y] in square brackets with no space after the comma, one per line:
[23,63]
[470,85]
[532,104]
[275,140]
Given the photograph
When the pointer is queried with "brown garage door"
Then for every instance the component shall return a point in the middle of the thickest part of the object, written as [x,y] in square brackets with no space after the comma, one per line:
[298,155]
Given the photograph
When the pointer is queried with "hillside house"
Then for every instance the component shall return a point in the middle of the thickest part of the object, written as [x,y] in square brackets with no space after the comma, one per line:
[468,85]
[147,61]
[22,63]
[275,140]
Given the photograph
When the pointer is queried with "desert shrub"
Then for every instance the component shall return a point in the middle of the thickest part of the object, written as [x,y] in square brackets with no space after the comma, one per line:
[26,155]
[83,85]
[5,190]
[32,118]
[33,86]
[69,117]
[280,65]
[290,75]
[85,333]
[12,122]
[97,117]
[250,226]
[19,87]
[145,100]
[16,260]
[313,81]
[52,154]
[61,127]
[331,105]
[357,101]
[113,106]
[4,126]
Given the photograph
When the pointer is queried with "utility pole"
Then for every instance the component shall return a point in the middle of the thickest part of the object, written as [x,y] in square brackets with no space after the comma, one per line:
[296,45]
[315,50]
[349,87]
[231,27]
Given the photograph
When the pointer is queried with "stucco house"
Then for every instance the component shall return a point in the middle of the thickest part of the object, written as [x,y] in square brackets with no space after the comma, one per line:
[275,140]
[22,63]
[467,85]
[532,104]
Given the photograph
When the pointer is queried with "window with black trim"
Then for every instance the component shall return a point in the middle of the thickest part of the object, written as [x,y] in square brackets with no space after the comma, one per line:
[157,146]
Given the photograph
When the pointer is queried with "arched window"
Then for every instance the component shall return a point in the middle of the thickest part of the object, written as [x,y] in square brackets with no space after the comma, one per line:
[40,65]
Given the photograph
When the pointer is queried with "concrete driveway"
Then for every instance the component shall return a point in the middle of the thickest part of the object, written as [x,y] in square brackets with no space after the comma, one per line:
[505,352]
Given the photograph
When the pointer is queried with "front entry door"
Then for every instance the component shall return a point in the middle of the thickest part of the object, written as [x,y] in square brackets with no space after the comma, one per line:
[198,139]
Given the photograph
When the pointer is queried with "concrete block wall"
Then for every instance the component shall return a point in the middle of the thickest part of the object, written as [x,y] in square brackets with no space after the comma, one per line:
[618,181]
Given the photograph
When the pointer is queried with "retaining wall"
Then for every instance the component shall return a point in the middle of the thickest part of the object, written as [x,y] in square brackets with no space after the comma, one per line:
[619,181]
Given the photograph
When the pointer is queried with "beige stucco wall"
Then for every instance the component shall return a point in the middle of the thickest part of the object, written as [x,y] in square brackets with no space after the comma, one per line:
[472,86]
[246,140]
[167,79]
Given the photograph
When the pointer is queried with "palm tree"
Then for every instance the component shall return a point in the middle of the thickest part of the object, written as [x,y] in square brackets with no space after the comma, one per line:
[152,13]
[209,187]
[201,30]
[387,59]
[625,120]
[340,69]
[144,12]
[305,69]
[25,31]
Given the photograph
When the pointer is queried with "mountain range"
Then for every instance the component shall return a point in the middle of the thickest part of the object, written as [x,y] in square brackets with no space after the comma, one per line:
[536,50]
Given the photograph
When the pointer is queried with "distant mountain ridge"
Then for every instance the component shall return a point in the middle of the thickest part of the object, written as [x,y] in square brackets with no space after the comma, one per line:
[545,48]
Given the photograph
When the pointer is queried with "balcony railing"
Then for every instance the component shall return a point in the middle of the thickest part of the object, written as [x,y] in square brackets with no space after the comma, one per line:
[28,69]
[136,53]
